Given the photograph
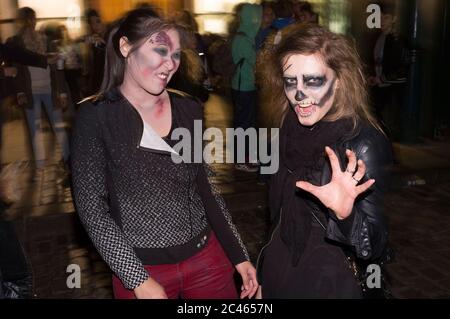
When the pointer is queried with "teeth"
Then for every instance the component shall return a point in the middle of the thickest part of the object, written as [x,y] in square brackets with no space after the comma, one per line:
[306,103]
[162,76]
[305,111]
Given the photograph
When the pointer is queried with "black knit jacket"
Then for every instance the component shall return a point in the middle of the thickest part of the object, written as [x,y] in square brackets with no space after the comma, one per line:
[137,205]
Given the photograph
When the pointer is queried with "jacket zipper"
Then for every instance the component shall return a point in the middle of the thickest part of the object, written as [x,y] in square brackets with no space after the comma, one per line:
[317,219]
[138,146]
[271,238]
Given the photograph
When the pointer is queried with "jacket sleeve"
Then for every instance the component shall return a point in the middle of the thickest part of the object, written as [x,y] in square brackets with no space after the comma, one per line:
[220,218]
[365,229]
[21,80]
[217,213]
[13,52]
[91,199]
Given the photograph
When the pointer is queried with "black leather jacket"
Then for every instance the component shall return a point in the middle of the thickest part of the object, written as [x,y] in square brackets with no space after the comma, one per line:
[364,232]
[366,229]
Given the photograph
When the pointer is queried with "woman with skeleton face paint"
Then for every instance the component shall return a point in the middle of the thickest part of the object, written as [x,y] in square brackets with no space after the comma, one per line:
[326,198]
[154,220]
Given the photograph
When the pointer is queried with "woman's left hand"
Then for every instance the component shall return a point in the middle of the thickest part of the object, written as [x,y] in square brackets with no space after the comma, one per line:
[249,281]
[340,193]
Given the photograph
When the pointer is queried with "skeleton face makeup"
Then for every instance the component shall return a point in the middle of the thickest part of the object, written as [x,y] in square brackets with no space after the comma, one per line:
[152,65]
[310,86]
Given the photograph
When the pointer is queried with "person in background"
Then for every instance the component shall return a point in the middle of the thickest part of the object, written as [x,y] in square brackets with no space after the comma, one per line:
[192,76]
[37,87]
[304,13]
[70,52]
[94,52]
[268,16]
[387,73]
[284,13]
[244,92]
[16,281]
[11,53]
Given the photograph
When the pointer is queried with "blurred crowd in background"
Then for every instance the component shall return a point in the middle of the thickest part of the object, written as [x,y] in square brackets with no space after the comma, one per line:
[224,64]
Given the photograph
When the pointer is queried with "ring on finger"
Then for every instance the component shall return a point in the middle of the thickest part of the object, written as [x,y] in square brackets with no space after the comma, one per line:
[356,180]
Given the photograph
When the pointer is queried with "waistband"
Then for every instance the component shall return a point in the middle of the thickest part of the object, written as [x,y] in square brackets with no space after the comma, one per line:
[174,254]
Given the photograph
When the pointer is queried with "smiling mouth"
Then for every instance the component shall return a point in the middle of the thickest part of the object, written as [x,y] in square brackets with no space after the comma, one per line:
[163,76]
[305,108]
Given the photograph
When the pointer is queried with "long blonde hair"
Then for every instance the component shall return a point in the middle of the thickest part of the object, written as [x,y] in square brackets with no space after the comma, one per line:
[351,99]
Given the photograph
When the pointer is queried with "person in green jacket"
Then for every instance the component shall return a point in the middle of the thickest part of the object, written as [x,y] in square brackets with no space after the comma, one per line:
[244,93]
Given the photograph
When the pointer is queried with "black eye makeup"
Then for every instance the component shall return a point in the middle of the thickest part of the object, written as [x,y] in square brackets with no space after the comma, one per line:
[314,80]
[290,82]
[161,51]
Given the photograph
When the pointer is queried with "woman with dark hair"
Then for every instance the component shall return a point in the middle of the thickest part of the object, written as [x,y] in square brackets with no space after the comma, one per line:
[326,198]
[153,220]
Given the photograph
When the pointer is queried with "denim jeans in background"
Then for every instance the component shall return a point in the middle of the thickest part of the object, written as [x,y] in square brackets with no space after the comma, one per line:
[56,122]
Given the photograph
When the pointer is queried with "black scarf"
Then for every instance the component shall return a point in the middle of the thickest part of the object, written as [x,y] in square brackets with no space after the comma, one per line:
[302,152]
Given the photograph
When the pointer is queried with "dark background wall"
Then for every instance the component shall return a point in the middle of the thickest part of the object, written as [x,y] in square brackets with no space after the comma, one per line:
[430,94]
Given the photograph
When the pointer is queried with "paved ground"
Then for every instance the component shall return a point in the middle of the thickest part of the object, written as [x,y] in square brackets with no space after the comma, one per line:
[419,216]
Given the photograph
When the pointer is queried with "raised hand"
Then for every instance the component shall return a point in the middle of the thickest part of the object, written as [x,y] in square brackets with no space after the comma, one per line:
[52,58]
[22,99]
[340,193]
[9,71]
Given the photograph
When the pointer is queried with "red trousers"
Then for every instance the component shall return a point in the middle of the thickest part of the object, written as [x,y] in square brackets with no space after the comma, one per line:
[206,275]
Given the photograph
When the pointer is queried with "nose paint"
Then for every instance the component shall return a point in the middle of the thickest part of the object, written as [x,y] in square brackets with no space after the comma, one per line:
[315,87]
[300,96]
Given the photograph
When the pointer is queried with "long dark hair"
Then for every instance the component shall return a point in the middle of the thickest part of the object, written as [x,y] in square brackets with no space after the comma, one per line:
[137,26]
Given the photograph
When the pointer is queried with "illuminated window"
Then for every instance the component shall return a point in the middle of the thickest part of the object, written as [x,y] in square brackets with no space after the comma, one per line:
[67,11]
[333,14]
[213,16]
